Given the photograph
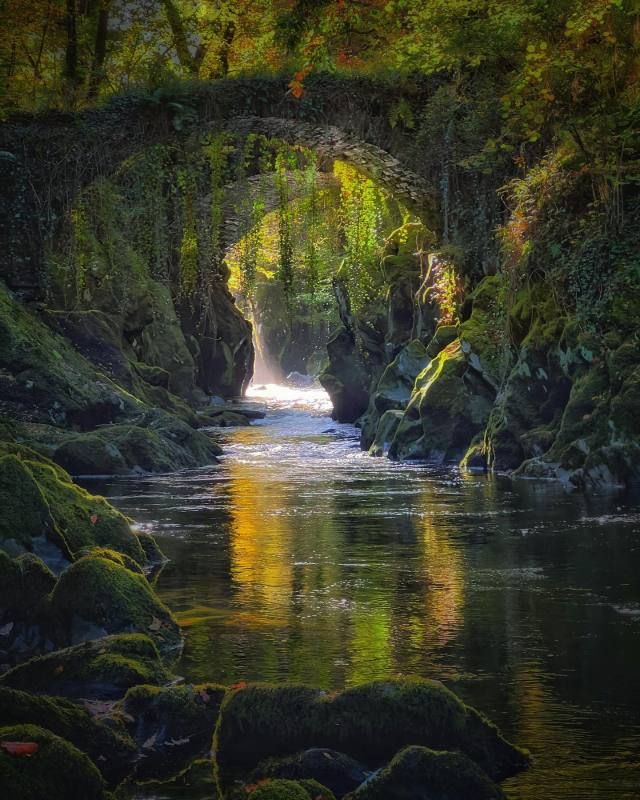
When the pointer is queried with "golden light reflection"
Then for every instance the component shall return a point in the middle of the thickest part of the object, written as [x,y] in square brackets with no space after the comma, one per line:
[445,582]
[260,542]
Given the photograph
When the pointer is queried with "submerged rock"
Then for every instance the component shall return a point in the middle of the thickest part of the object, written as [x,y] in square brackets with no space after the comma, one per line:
[299,381]
[422,774]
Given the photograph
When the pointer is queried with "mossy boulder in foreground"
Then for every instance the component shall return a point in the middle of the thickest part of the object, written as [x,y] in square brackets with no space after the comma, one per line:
[56,771]
[371,723]
[102,669]
[290,790]
[109,748]
[172,726]
[96,596]
[44,512]
[418,773]
[338,772]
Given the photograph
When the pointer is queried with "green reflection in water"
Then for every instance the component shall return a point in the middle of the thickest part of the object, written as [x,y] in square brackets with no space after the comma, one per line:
[298,559]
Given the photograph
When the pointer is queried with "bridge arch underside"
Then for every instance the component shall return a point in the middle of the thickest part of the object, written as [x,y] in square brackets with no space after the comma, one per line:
[46,162]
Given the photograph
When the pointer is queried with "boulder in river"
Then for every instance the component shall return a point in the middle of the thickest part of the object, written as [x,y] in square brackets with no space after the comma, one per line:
[172,726]
[96,596]
[102,669]
[370,723]
[417,772]
[337,771]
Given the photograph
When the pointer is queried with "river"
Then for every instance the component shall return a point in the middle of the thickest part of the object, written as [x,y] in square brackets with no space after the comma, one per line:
[301,558]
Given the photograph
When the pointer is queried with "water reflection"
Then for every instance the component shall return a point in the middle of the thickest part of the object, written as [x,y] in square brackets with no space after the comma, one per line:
[300,558]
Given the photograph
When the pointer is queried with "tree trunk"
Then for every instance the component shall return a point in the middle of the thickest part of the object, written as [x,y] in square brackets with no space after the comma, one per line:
[180,37]
[100,50]
[71,52]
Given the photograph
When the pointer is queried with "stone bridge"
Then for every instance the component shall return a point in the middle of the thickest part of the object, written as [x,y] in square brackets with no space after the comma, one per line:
[46,160]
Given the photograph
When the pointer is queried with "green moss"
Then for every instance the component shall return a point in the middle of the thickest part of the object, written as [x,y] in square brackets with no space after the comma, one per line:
[57,771]
[53,382]
[443,336]
[112,598]
[156,443]
[41,502]
[112,555]
[417,772]
[25,510]
[316,791]
[89,454]
[104,668]
[110,748]
[370,722]
[279,790]
[195,783]
[84,519]
[179,719]
[450,406]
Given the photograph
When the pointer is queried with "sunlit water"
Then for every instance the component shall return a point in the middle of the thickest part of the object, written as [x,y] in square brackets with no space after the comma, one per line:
[301,558]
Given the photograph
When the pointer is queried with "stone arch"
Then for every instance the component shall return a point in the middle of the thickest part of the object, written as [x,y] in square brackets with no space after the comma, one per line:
[45,160]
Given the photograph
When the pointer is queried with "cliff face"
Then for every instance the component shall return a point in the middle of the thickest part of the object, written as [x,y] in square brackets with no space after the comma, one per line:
[528,379]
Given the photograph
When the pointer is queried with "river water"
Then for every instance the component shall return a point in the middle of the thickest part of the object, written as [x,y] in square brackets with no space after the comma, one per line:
[301,558]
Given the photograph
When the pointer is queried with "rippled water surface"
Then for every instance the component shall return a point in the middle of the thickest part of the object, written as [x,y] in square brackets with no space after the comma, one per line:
[301,558]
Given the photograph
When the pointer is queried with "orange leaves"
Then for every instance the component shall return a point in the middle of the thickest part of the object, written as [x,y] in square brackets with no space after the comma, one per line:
[239,685]
[296,85]
[20,749]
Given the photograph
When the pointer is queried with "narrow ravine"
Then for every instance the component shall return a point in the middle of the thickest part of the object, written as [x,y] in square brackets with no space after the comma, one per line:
[301,558]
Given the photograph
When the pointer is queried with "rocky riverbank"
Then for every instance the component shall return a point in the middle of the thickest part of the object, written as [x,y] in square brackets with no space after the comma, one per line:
[516,383]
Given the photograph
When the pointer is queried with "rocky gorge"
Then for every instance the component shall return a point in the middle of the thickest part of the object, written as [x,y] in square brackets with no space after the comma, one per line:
[460,233]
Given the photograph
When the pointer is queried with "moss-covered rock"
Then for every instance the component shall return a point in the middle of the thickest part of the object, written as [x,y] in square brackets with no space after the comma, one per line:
[279,790]
[417,773]
[316,790]
[25,584]
[224,419]
[336,771]
[393,391]
[344,379]
[46,513]
[451,406]
[56,771]
[156,443]
[443,336]
[84,519]
[44,378]
[103,669]
[109,747]
[96,596]
[370,722]
[173,726]
[197,782]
